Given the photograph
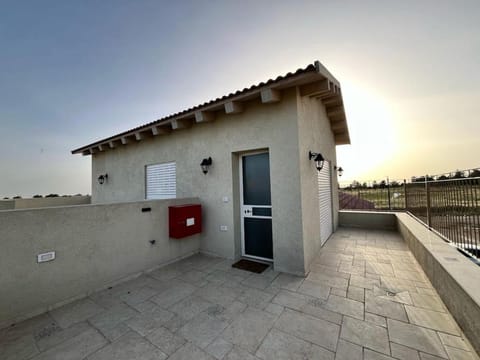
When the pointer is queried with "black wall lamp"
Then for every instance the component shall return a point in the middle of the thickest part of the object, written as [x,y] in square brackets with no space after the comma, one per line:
[318,158]
[102,178]
[339,170]
[205,164]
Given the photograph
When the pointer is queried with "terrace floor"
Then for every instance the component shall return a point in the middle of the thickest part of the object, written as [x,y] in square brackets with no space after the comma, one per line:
[365,298]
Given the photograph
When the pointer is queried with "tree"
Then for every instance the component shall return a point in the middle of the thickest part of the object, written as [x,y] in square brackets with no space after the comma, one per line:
[458,175]
[51,195]
[474,173]
[37,196]
[17,197]
[355,184]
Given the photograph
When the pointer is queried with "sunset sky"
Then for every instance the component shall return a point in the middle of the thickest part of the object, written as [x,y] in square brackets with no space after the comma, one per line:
[72,72]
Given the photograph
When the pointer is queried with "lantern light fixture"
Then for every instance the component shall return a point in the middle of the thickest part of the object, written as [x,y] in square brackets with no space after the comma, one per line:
[205,165]
[339,170]
[102,178]
[318,158]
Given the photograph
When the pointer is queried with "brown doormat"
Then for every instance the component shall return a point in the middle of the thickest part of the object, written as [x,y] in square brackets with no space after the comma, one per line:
[251,266]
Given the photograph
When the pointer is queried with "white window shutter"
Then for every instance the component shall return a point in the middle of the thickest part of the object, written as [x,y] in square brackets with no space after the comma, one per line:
[161,181]
[325,202]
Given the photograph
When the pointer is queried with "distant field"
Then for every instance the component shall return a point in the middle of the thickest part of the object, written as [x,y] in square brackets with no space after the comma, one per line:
[379,197]
[457,198]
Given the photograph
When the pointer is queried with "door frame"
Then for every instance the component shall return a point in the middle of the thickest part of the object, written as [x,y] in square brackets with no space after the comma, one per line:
[242,224]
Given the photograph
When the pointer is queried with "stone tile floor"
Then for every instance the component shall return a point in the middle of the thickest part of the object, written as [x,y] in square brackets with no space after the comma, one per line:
[365,298]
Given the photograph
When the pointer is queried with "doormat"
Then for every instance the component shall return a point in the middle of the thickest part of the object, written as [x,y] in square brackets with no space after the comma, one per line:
[251,266]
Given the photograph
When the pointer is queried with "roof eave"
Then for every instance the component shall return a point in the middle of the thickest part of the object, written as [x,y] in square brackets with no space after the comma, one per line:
[314,80]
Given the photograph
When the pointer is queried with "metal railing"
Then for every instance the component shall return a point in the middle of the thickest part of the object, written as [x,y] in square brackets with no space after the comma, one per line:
[450,208]
[448,204]
[373,195]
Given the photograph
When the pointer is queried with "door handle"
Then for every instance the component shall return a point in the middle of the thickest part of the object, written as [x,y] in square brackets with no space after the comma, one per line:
[248,211]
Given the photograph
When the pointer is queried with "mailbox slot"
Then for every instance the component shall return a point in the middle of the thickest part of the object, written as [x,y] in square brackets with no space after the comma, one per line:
[184,220]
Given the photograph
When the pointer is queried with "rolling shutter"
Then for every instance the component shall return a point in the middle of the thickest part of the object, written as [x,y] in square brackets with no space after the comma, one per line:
[325,202]
[161,181]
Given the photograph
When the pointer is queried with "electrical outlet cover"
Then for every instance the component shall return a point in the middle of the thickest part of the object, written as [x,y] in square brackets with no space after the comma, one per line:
[48,256]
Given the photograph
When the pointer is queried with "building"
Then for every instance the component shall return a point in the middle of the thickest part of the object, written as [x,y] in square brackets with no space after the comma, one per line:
[262,195]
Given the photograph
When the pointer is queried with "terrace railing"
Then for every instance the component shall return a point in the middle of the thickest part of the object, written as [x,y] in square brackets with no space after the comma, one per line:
[448,206]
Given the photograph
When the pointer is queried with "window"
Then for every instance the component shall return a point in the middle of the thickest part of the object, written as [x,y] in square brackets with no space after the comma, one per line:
[161,181]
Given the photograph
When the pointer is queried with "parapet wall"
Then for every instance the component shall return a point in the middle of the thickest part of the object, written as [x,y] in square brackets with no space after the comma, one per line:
[377,220]
[455,277]
[95,246]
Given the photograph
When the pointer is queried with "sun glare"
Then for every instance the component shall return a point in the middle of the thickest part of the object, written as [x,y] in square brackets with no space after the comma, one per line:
[372,133]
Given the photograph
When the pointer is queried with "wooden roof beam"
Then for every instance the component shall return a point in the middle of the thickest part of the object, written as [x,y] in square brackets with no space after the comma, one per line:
[114,143]
[204,116]
[332,101]
[335,111]
[270,95]
[157,130]
[317,88]
[342,139]
[124,140]
[179,124]
[233,107]
[338,126]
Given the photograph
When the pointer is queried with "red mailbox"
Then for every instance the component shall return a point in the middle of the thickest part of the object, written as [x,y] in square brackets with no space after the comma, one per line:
[184,220]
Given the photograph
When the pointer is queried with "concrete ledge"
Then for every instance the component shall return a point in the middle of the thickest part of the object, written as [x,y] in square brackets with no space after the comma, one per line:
[378,220]
[455,277]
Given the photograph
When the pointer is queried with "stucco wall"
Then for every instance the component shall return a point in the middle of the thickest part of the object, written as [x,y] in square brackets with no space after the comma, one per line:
[7,204]
[378,220]
[96,245]
[260,126]
[315,134]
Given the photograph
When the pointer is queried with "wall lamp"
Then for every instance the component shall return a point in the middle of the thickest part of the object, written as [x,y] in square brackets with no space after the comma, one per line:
[339,170]
[318,158]
[102,178]
[205,164]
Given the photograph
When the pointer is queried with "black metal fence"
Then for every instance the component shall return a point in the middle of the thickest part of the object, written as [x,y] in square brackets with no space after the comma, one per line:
[447,204]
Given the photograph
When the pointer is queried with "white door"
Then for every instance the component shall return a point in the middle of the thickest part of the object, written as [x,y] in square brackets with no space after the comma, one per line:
[325,202]
[256,206]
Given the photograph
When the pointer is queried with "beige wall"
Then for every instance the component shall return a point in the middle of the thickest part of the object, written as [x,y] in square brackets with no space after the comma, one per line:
[314,133]
[261,126]
[7,204]
[379,220]
[51,201]
[95,246]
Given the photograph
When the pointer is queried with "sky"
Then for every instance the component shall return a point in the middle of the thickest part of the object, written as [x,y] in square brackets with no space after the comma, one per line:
[72,72]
